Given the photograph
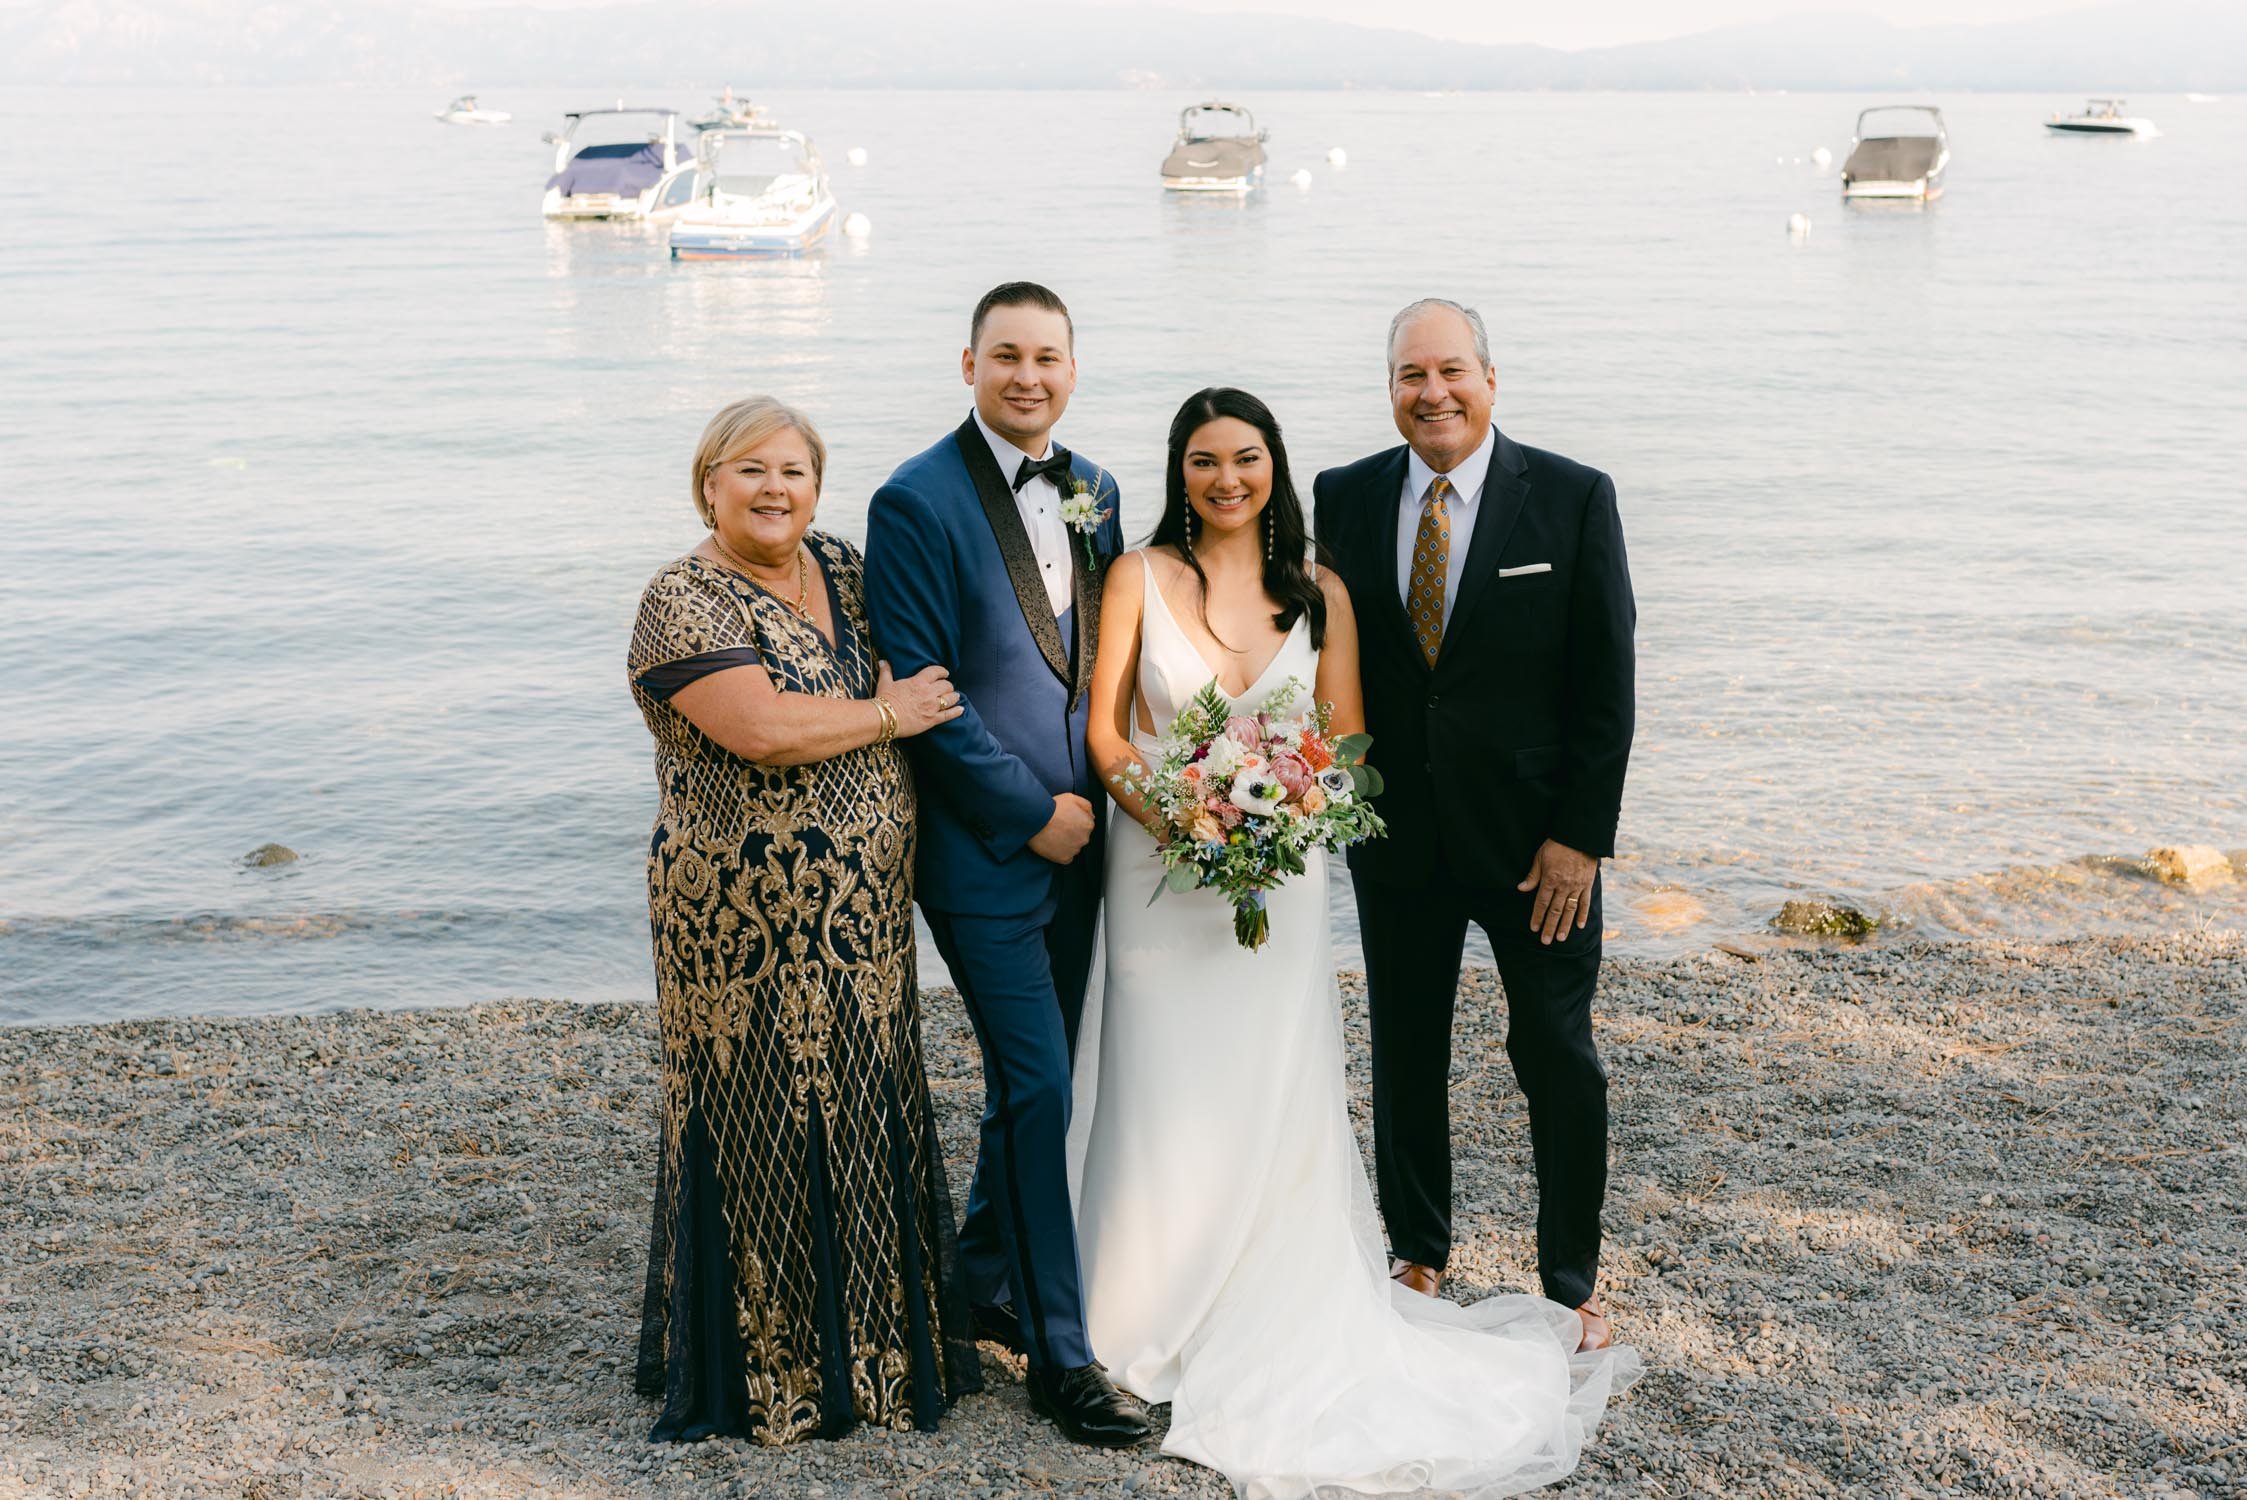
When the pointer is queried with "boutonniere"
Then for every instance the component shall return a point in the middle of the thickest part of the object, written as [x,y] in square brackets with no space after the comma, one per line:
[1082,512]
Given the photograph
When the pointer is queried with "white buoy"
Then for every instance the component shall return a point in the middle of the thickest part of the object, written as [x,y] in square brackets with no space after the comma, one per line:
[1798,227]
[858,226]
[856,156]
[1301,177]
[1338,157]
[1821,158]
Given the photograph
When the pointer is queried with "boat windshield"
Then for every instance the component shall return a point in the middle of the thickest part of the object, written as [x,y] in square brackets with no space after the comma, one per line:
[630,127]
[1206,124]
[747,165]
[1898,122]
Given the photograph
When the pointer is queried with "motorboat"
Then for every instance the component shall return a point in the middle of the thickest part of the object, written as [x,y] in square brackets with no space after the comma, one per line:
[1218,150]
[621,163]
[1899,151]
[759,193]
[729,113]
[2101,117]
[465,111]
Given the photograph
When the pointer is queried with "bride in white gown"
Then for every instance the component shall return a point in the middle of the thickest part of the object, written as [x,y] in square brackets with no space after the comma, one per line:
[1233,1261]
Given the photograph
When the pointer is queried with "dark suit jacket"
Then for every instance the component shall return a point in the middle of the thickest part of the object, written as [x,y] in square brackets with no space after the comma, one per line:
[1523,729]
[951,579]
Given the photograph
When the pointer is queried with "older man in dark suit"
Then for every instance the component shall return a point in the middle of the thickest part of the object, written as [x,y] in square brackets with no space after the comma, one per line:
[1495,615]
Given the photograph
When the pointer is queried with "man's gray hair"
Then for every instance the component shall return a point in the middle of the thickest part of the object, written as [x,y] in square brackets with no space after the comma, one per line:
[1428,304]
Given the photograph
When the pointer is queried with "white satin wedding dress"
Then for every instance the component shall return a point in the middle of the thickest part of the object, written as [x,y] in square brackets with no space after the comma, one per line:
[1233,1262]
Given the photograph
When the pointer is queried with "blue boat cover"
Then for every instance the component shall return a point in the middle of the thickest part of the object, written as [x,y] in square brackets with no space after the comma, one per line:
[624,168]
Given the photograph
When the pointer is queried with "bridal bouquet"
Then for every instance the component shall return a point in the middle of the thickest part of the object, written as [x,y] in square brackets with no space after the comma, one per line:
[1239,799]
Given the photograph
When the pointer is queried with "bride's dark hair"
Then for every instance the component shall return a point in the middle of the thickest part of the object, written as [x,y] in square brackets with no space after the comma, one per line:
[1287,542]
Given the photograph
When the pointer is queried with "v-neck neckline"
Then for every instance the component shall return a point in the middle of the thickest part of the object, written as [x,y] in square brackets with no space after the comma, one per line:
[834,648]
[1155,584]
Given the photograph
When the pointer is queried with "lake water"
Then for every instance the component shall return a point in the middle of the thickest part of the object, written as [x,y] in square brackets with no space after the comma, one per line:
[332,475]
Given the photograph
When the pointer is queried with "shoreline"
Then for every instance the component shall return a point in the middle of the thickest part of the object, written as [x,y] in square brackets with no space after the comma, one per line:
[1896,1219]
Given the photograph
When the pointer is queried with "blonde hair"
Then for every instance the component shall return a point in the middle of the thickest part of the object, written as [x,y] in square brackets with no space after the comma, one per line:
[740,426]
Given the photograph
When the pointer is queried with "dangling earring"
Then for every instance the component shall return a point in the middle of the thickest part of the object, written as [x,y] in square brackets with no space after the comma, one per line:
[1193,524]
[1269,531]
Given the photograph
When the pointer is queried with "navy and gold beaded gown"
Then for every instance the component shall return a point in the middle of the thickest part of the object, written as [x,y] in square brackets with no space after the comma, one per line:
[800,1259]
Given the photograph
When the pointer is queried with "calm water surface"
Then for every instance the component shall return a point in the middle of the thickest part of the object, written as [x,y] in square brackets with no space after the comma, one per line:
[332,475]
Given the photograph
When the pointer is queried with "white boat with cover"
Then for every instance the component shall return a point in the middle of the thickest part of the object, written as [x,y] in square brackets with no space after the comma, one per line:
[466,111]
[621,163]
[1218,150]
[2101,117]
[1900,152]
[758,194]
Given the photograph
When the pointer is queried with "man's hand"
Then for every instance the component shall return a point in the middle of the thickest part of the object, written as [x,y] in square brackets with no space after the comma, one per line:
[1562,879]
[1065,834]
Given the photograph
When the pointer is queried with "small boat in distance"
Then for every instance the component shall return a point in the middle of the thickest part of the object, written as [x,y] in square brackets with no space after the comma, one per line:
[730,113]
[1218,150]
[465,111]
[1899,151]
[2101,117]
[759,193]
[618,164]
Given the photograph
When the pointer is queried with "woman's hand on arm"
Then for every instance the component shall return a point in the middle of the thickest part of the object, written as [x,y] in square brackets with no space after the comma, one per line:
[1339,683]
[922,701]
[741,710]
[1115,671]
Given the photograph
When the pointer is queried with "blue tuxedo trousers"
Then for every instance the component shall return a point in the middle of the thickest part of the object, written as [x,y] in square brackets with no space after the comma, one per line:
[1022,978]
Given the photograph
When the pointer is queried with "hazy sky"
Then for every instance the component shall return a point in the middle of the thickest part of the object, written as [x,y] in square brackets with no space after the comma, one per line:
[1575,23]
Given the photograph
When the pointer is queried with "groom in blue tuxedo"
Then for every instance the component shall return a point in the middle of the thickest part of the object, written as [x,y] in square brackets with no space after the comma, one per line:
[970,563]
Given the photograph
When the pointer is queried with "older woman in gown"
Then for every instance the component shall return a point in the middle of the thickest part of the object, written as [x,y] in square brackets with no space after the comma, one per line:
[799,1275]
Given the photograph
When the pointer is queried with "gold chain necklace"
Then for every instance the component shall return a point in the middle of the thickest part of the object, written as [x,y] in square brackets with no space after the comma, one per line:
[802,605]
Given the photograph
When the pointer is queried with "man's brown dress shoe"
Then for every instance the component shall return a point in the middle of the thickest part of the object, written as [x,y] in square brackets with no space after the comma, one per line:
[1426,1280]
[1598,1332]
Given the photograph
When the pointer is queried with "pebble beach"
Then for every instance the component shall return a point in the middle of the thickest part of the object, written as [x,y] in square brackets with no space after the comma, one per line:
[1896,1220]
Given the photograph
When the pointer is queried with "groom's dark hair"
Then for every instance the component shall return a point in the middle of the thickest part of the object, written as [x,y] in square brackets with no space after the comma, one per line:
[1019,294]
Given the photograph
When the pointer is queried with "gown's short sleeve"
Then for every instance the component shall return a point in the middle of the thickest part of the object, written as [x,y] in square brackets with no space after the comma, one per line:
[688,627]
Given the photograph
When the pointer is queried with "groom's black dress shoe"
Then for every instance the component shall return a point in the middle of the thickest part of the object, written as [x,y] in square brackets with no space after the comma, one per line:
[1087,1407]
[998,1325]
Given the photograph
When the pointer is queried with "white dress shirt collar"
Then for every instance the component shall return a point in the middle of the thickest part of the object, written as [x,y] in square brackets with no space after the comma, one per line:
[1466,480]
[1006,454]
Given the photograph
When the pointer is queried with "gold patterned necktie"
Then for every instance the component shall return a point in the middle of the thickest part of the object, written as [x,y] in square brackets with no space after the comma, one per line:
[1431,563]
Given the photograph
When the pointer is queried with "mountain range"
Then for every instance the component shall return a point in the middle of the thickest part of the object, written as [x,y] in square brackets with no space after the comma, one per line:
[2143,46]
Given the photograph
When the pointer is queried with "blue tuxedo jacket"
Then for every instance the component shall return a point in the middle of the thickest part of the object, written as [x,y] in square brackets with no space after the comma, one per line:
[951,580]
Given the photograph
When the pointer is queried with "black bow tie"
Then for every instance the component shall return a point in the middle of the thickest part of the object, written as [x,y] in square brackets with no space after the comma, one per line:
[1054,467]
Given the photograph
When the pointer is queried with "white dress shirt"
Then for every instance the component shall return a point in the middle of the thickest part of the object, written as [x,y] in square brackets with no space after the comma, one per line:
[1039,501]
[1466,494]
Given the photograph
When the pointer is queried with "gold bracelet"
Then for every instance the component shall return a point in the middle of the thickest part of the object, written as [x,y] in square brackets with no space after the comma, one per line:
[889,722]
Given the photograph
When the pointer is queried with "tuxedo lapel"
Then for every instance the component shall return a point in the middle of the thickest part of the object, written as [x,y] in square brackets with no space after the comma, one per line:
[1014,548]
[1504,491]
[1084,585]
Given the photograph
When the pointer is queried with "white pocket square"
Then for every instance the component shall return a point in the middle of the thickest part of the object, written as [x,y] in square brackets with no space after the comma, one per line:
[1525,569]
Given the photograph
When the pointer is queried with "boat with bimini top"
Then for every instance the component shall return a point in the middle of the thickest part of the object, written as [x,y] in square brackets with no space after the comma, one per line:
[1218,150]
[620,163]
[758,194]
[1900,151]
[2101,117]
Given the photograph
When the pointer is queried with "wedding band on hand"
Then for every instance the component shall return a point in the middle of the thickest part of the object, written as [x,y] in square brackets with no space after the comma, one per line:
[1572,901]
